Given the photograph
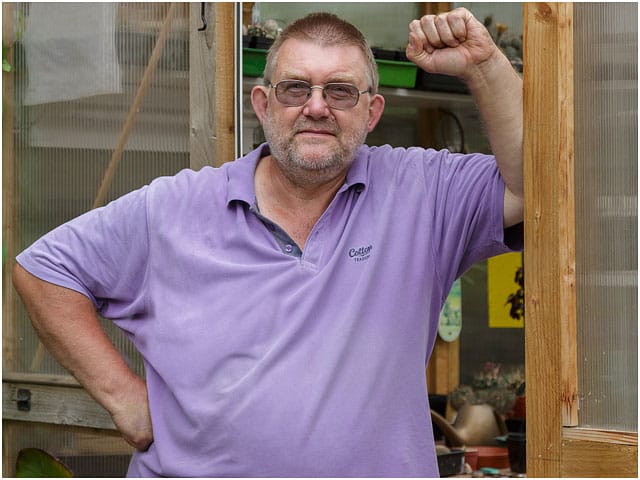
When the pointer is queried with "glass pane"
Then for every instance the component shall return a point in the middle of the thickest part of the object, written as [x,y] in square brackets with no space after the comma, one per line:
[77,69]
[606,163]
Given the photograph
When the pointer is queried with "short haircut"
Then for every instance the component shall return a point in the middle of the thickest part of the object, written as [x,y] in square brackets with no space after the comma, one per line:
[324,29]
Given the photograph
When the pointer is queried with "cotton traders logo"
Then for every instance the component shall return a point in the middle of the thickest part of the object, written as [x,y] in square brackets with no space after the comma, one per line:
[360,254]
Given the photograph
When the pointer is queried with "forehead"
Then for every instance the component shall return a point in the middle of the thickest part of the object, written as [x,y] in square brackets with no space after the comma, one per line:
[306,60]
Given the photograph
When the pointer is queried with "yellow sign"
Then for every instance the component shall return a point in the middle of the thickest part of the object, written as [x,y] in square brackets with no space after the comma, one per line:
[501,272]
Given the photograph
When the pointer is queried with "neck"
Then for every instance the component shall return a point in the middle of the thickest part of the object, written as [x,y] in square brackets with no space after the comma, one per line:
[295,202]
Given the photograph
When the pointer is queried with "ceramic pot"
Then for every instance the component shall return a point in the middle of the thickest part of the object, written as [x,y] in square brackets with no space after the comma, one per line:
[474,425]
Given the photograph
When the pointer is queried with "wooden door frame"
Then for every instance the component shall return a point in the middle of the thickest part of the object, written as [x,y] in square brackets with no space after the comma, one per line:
[556,446]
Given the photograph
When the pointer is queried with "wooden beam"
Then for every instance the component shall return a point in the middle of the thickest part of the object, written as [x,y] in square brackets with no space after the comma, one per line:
[201,87]
[550,343]
[601,436]
[433,8]
[582,458]
[62,405]
[443,369]
[224,83]
[10,303]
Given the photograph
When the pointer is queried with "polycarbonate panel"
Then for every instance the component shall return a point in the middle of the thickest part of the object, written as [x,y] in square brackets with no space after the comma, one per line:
[77,69]
[606,185]
[86,452]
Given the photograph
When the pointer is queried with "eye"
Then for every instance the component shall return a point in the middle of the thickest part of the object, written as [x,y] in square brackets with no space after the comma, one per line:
[341,90]
[294,88]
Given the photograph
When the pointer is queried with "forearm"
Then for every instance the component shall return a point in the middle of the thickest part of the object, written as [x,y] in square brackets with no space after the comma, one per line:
[68,326]
[497,90]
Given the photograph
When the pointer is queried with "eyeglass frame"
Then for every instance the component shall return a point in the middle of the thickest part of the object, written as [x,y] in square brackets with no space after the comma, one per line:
[324,95]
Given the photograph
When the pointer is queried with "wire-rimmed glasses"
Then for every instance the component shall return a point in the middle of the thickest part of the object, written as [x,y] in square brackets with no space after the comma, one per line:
[295,93]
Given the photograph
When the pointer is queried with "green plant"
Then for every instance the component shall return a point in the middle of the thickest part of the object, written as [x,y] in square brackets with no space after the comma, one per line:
[6,66]
[268,29]
[36,463]
[517,299]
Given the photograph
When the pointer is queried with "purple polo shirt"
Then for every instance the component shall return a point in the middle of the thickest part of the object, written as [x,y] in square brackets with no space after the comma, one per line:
[263,363]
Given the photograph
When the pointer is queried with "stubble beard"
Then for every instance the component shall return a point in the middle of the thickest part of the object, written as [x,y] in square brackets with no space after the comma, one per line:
[305,165]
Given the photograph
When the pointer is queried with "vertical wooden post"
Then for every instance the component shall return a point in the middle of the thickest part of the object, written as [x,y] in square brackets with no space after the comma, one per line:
[9,201]
[211,85]
[551,364]
[429,118]
[202,103]
[9,236]
[443,370]
[224,83]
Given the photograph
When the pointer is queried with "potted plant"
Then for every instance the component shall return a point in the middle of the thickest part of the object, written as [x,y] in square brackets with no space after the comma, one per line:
[261,35]
[493,385]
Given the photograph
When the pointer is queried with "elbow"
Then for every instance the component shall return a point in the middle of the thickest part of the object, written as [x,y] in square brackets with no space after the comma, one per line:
[18,277]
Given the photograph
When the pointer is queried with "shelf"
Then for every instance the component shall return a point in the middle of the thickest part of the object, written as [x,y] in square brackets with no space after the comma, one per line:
[411,97]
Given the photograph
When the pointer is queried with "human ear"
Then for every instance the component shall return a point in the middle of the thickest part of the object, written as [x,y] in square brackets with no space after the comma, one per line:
[259,97]
[376,107]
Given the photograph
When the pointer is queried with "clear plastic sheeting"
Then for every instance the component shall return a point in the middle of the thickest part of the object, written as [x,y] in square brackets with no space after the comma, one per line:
[606,187]
[75,71]
[62,148]
[70,51]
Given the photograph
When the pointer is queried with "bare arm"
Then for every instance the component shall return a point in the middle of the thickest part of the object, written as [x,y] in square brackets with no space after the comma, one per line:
[68,326]
[456,43]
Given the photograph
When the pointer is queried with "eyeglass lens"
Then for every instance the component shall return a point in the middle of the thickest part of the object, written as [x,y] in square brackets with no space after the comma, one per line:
[337,95]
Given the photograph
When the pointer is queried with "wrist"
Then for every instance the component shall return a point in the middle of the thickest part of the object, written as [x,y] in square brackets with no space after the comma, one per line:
[120,391]
[493,71]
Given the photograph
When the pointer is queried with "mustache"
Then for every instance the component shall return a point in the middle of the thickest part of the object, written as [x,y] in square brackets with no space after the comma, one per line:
[325,125]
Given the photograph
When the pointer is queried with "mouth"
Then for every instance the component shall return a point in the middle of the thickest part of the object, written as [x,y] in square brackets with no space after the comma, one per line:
[315,133]
[316,129]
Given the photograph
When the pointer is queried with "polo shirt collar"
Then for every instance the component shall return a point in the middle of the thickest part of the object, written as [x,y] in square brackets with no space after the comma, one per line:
[241,172]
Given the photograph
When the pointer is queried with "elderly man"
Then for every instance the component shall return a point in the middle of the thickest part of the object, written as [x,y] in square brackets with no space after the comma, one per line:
[285,304]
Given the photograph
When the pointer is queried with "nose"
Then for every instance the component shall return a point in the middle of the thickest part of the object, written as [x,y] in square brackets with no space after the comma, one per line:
[316,106]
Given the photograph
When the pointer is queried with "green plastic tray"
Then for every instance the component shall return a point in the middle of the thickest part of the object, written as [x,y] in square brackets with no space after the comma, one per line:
[253,61]
[397,74]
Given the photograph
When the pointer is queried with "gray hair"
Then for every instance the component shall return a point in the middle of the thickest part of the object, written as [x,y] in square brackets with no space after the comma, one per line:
[324,29]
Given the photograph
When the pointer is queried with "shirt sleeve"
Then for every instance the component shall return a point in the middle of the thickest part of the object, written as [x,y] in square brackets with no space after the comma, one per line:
[468,211]
[103,254]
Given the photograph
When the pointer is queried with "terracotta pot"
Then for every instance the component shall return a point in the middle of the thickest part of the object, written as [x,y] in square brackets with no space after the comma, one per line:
[519,407]
[471,457]
[493,457]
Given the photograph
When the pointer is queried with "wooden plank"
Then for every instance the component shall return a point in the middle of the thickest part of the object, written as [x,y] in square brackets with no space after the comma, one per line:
[603,436]
[10,447]
[201,87]
[41,379]
[224,83]
[443,369]
[10,304]
[60,405]
[583,459]
[433,8]
[549,248]
[566,221]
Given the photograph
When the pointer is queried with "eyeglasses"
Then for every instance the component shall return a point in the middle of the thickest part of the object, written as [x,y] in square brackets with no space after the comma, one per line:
[295,93]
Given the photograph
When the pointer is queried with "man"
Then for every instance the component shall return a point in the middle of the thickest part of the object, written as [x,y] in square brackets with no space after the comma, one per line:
[286,303]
